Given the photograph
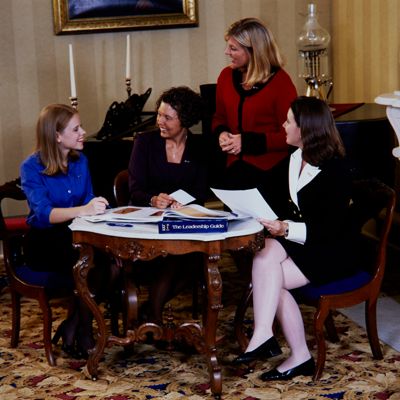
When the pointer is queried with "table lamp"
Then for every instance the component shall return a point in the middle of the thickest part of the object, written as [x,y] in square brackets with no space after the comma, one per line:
[312,45]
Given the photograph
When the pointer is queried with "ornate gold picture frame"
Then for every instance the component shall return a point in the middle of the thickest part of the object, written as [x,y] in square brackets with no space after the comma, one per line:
[89,16]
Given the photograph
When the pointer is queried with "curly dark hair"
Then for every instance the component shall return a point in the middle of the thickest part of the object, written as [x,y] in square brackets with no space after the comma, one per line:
[187,103]
[321,140]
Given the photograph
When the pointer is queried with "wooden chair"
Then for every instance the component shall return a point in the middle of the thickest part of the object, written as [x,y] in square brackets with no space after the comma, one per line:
[14,226]
[121,195]
[371,200]
[41,286]
[126,298]
[121,188]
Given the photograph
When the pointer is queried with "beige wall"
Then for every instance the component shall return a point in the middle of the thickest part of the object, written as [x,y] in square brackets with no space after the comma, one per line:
[34,62]
[365,48]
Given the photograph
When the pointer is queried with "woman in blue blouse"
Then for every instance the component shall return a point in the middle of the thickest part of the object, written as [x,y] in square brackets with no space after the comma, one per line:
[57,184]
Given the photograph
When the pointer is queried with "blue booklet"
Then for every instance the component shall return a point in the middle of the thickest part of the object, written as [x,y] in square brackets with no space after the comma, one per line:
[186,225]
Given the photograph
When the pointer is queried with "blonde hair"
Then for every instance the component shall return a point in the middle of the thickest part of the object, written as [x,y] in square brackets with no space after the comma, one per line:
[53,119]
[260,45]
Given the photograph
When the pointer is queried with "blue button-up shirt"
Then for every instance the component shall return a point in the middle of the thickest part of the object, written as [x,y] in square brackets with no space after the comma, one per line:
[46,192]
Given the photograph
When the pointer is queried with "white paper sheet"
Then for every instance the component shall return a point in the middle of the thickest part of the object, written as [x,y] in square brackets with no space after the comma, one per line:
[182,197]
[248,202]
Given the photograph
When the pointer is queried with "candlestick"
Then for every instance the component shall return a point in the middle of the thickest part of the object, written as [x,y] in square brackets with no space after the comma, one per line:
[74,102]
[72,72]
[128,57]
[128,86]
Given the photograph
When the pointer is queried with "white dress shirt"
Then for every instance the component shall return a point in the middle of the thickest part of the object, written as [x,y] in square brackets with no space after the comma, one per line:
[297,180]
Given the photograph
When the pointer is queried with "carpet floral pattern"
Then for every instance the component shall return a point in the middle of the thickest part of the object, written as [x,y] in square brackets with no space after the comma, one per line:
[152,373]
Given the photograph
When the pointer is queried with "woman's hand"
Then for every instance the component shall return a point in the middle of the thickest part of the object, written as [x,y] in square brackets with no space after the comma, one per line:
[275,228]
[175,204]
[230,143]
[163,200]
[97,205]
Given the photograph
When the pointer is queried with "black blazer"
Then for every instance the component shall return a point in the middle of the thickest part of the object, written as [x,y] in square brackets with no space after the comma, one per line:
[151,174]
[331,249]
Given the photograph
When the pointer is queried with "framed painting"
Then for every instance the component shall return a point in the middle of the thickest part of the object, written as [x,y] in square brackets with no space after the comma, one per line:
[89,16]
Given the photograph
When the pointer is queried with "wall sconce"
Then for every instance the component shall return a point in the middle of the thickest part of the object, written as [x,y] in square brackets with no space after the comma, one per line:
[312,45]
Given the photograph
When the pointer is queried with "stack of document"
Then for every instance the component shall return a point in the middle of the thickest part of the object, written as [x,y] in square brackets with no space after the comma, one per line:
[151,214]
[193,217]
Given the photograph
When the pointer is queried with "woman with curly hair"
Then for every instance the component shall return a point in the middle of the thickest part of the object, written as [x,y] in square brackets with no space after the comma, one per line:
[163,161]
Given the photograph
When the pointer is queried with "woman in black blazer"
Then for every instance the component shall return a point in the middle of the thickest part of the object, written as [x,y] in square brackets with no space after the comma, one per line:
[163,161]
[310,242]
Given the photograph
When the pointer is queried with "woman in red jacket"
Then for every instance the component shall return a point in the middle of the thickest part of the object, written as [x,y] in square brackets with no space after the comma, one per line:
[253,96]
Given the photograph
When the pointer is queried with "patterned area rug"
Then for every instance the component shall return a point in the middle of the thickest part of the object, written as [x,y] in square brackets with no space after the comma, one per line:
[152,373]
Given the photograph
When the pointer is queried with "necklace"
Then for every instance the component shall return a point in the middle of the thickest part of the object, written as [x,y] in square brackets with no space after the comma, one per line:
[176,152]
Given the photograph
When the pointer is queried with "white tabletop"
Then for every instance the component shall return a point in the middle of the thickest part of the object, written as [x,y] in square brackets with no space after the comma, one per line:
[150,230]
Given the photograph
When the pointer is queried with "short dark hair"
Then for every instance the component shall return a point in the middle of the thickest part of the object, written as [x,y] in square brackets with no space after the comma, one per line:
[321,140]
[187,104]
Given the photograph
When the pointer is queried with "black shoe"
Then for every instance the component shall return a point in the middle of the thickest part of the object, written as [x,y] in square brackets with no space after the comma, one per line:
[68,349]
[59,332]
[84,342]
[67,338]
[69,345]
[268,349]
[306,369]
[81,353]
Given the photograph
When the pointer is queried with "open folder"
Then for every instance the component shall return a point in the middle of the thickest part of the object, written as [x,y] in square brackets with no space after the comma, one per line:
[246,202]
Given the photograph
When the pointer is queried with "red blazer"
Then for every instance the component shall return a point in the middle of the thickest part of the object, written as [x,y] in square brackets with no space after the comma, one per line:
[258,114]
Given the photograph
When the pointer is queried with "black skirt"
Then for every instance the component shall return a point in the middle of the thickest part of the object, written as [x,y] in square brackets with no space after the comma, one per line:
[50,249]
[325,262]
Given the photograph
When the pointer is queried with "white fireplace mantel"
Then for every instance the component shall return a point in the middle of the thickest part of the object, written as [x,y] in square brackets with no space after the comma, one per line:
[392,103]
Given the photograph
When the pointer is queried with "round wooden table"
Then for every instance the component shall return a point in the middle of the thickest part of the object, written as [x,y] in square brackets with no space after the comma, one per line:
[143,242]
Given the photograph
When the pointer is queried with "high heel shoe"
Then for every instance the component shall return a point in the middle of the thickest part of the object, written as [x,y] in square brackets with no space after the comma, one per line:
[59,332]
[268,349]
[68,346]
[81,353]
[84,339]
[307,368]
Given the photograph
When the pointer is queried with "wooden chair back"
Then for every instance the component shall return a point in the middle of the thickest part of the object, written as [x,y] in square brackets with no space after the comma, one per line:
[22,281]
[121,188]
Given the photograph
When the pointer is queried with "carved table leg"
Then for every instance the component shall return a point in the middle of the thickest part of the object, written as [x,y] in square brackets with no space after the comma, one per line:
[130,297]
[81,270]
[214,289]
